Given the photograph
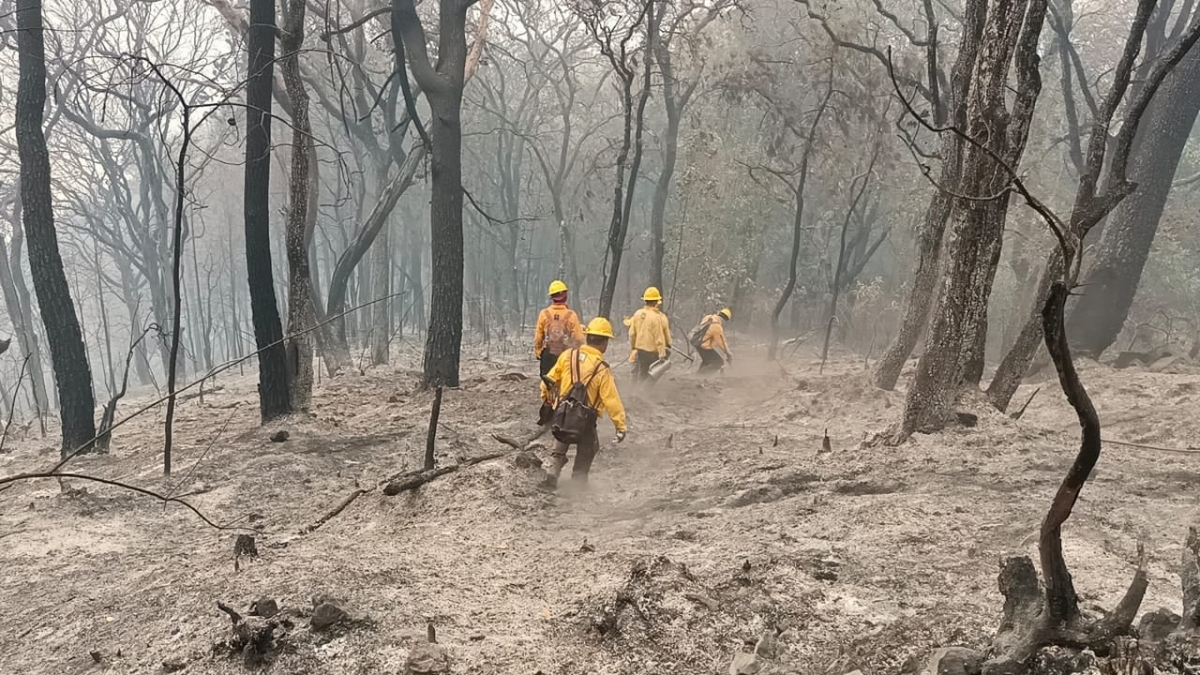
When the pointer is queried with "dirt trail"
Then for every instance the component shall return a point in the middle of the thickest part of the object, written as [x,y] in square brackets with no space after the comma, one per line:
[863,557]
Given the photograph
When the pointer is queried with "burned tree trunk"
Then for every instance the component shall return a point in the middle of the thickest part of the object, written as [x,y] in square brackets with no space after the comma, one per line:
[381,281]
[443,344]
[443,84]
[1092,205]
[21,316]
[933,228]
[953,353]
[798,191]
[1112,281]
[622,64]
[301,311]
[67,352]
[273,391]
[835,281]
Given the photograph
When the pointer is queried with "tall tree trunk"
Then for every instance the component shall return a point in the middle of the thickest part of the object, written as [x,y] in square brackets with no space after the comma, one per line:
[235,316]
[1111,283]
[21,317]
[1092,206]
[797,220]
[623,191]
[273,391]
[933,228]
[381,278]
[662,191]
[443,345]
[414,257]
[953,352]
[67,351]
[339,356]
[129,293]
[301,311]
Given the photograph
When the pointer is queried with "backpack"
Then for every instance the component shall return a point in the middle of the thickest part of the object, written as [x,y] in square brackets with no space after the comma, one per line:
[696,337]
[558,337]
[574,415]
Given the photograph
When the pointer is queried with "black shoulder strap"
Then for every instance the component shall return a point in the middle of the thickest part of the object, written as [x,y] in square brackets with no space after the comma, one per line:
[602,364]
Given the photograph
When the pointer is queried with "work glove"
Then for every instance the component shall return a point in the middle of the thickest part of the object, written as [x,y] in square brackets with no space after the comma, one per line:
[619,437]
[545,414]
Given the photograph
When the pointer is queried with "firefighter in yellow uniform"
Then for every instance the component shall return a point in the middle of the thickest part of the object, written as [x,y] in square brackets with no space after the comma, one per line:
[713,345]
[558,329]
[585,365]
[649,334]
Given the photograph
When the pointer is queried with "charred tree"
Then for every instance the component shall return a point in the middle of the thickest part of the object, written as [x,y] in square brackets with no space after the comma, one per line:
[994,140]
[301,311]
[20,314]
[1095,199]
[443,86]
[273,392]
[677,92]
[947,102]
[67,352]
[798,194]
[1035,618]
[857,189]
[1111,283]
[613,42]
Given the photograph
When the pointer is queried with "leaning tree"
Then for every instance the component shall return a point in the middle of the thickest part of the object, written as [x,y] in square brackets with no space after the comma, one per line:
[1048,613]
[68,355]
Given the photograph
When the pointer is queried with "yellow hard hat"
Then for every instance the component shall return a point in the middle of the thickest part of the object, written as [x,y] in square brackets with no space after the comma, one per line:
[557,287]
[599,326]
[652,295]
[727,313]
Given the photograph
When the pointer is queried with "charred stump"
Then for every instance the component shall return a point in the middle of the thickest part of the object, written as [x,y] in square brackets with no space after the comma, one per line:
[253,638]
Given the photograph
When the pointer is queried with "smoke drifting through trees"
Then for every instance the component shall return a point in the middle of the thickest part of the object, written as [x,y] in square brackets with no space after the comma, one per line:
[712,148]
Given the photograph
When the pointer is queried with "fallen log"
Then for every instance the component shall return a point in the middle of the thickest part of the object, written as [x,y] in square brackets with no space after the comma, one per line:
[415,479]
[335,511]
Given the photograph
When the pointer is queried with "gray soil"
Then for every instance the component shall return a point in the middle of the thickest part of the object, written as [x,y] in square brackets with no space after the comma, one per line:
[716,520]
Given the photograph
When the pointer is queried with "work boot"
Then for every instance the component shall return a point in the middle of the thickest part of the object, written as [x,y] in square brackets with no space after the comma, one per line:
[550,482]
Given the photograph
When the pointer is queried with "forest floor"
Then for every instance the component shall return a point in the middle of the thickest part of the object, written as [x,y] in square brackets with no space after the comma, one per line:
[720,499]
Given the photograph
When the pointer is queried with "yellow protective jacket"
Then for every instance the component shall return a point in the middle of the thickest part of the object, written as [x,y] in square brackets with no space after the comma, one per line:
[569,321]
[650,331]
[602,387]
[715,337]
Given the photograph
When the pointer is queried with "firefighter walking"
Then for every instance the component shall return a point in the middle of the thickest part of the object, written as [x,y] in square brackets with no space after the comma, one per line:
[558,329]
[712,345]
[649,335]
[583,389]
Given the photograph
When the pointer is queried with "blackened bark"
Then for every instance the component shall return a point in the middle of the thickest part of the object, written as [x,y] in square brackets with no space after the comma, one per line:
[953,354]
[621,63]
[301,311]
[443,345]
[67,351]
[933,229]
[443,85]
[797,220]
[273,391]
[1112,281]
[1062,602]
[1015,364]
[381,281]
[21,316]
